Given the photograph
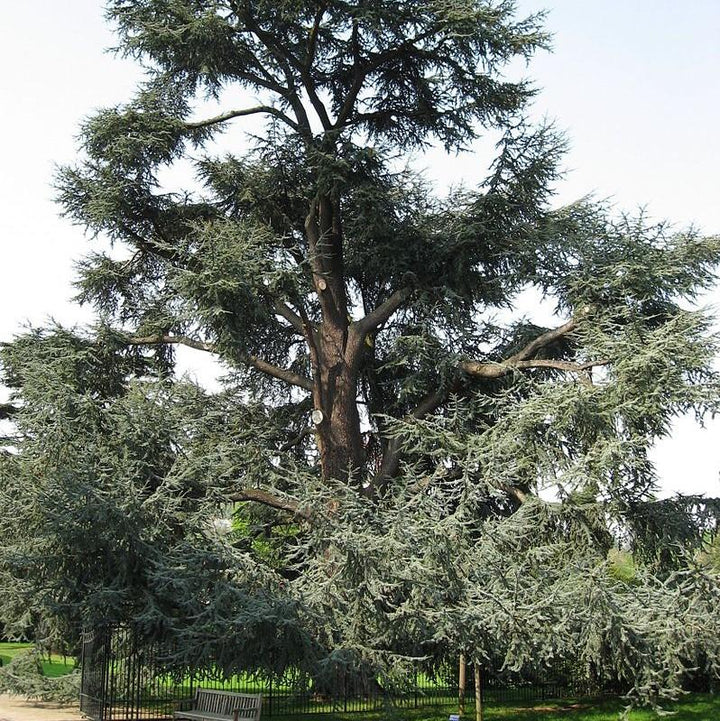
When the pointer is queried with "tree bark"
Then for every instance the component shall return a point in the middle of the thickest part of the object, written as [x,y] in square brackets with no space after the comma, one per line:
[339,436]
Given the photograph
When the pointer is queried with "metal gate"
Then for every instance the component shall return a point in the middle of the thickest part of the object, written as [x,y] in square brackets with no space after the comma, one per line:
[93,685]
[123,681]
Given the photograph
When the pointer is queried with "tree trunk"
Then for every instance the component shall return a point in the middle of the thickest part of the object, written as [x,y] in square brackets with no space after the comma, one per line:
[339,436]
[335,348]
[461,685]
[478,693]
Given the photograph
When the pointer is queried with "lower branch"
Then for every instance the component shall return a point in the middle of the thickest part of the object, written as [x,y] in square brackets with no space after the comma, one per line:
[171,339]
[263,366]
[266,498]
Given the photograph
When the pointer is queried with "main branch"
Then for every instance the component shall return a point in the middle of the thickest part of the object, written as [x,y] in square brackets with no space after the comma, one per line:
[381,314]
[497,370]
[172,340]
[524,359]
[543,340]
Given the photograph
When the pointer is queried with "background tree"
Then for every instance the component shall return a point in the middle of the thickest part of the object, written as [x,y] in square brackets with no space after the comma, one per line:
[381,439]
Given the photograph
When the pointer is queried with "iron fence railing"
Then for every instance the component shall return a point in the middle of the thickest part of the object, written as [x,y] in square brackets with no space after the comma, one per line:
[125,679]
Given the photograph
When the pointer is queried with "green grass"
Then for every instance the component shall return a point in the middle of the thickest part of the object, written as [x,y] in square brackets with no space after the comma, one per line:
[9,650]
[54,666]
[696,707]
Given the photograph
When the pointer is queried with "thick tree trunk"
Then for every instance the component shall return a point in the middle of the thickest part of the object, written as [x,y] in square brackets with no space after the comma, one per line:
[339,436]
[336,349]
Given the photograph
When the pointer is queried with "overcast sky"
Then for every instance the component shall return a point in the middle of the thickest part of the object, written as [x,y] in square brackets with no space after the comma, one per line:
[633,82]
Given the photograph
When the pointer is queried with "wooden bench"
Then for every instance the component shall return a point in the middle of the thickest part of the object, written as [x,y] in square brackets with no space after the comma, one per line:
[211,705]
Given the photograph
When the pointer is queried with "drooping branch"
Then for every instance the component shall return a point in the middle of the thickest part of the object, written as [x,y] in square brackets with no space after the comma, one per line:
[391,458]
[520,495]
[263,366]
[269,499]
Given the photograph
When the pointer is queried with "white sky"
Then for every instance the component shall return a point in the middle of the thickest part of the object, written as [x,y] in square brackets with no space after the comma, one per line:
[634,83]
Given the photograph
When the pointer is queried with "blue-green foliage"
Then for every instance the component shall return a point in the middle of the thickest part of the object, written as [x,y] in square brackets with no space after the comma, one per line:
[470,480]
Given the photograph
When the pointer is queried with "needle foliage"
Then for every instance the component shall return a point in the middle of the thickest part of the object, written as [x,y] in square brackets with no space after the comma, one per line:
[469,481]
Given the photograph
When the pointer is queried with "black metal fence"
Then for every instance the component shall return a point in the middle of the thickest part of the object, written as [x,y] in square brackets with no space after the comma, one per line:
[125,679]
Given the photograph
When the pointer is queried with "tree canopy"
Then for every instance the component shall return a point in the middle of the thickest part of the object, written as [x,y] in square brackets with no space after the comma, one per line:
[406,473]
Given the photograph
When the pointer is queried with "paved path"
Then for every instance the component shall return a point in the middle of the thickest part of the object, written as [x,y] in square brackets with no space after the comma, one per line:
[14,708]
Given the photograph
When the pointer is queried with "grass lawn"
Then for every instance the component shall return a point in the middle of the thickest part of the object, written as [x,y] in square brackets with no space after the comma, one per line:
[696,707]
[54,666]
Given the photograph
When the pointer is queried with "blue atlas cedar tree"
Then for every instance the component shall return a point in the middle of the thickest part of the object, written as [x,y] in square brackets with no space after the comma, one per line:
[366,488]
